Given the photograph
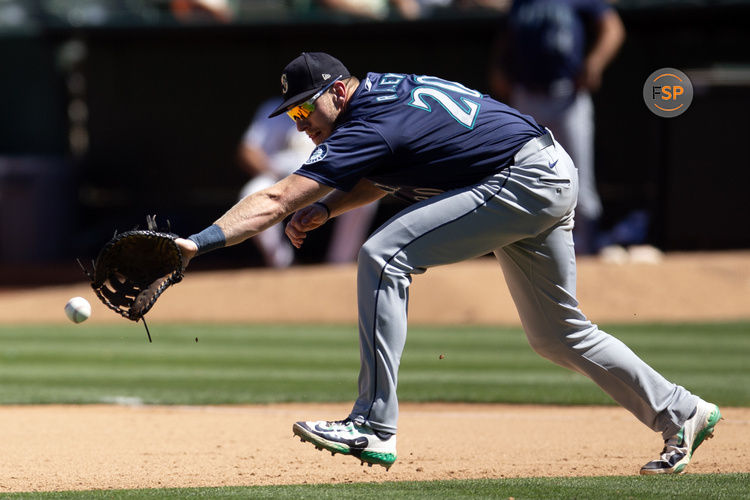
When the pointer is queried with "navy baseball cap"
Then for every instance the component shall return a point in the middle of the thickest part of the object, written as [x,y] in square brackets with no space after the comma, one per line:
[306,75]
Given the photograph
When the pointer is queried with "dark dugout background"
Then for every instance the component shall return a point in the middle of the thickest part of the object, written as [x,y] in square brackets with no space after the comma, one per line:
[165,107]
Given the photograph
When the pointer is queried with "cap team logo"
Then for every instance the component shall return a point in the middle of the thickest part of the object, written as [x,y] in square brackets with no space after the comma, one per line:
[318,154]
[284,84]
[668,92]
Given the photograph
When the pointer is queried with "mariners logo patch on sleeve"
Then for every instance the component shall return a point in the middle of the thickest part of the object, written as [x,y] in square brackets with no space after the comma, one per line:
[318,154]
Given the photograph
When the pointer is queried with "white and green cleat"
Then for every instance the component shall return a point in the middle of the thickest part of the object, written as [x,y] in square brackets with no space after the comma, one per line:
[679,449]
[348,438]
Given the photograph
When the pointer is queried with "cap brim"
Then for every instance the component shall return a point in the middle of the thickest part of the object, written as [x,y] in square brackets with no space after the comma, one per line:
[293,101]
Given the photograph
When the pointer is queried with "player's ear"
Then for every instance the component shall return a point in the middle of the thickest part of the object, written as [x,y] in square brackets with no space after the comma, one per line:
[340,94]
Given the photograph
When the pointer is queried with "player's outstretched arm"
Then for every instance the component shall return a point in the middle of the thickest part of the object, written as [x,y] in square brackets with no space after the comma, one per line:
[263,209]
[255,213]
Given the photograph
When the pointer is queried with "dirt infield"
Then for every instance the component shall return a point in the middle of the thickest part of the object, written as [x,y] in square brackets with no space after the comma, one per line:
[102,447]
[695,286]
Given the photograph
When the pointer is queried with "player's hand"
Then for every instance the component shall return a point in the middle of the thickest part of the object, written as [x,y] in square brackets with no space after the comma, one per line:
[590,77]
[188,249]
[305,220]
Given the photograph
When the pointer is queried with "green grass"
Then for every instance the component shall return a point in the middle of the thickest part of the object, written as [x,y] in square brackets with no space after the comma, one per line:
[92,363]
[605,488]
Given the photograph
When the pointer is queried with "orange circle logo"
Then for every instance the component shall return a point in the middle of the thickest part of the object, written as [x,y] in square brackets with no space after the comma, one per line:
[668,92]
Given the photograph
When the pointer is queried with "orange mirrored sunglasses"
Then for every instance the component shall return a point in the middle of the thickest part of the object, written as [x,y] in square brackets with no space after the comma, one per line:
[302,111]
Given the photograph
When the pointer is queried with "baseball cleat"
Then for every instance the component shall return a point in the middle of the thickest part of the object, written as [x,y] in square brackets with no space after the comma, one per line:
[679,449]
[348,438]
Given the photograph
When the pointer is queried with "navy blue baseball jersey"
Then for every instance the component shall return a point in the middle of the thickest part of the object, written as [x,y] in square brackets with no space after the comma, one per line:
[418,136]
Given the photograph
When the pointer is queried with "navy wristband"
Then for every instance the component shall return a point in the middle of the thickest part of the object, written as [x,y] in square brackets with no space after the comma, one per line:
[328,210]
[209,239]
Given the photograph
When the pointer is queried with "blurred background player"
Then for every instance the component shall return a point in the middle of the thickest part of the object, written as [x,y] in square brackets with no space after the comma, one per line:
[190,11]
[371,9]
[271,149]
[546,64]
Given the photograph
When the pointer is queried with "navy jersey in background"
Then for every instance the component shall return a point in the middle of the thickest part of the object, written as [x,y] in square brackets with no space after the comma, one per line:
[417,136]
[548,39]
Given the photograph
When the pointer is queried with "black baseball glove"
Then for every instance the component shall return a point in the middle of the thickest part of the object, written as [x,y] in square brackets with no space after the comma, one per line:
[134,268]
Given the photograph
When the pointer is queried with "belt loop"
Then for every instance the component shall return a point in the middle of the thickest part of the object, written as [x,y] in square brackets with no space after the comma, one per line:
[550,133]
[545,140]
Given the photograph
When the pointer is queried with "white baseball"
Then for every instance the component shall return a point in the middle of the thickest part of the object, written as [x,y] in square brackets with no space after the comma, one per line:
[78,309]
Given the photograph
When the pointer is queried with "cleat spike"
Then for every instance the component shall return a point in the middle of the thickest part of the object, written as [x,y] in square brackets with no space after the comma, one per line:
[369,465]
[333,453]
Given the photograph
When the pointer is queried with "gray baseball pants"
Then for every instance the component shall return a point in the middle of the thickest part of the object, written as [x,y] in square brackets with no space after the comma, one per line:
[525,216]
[571,118]
[569,114]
